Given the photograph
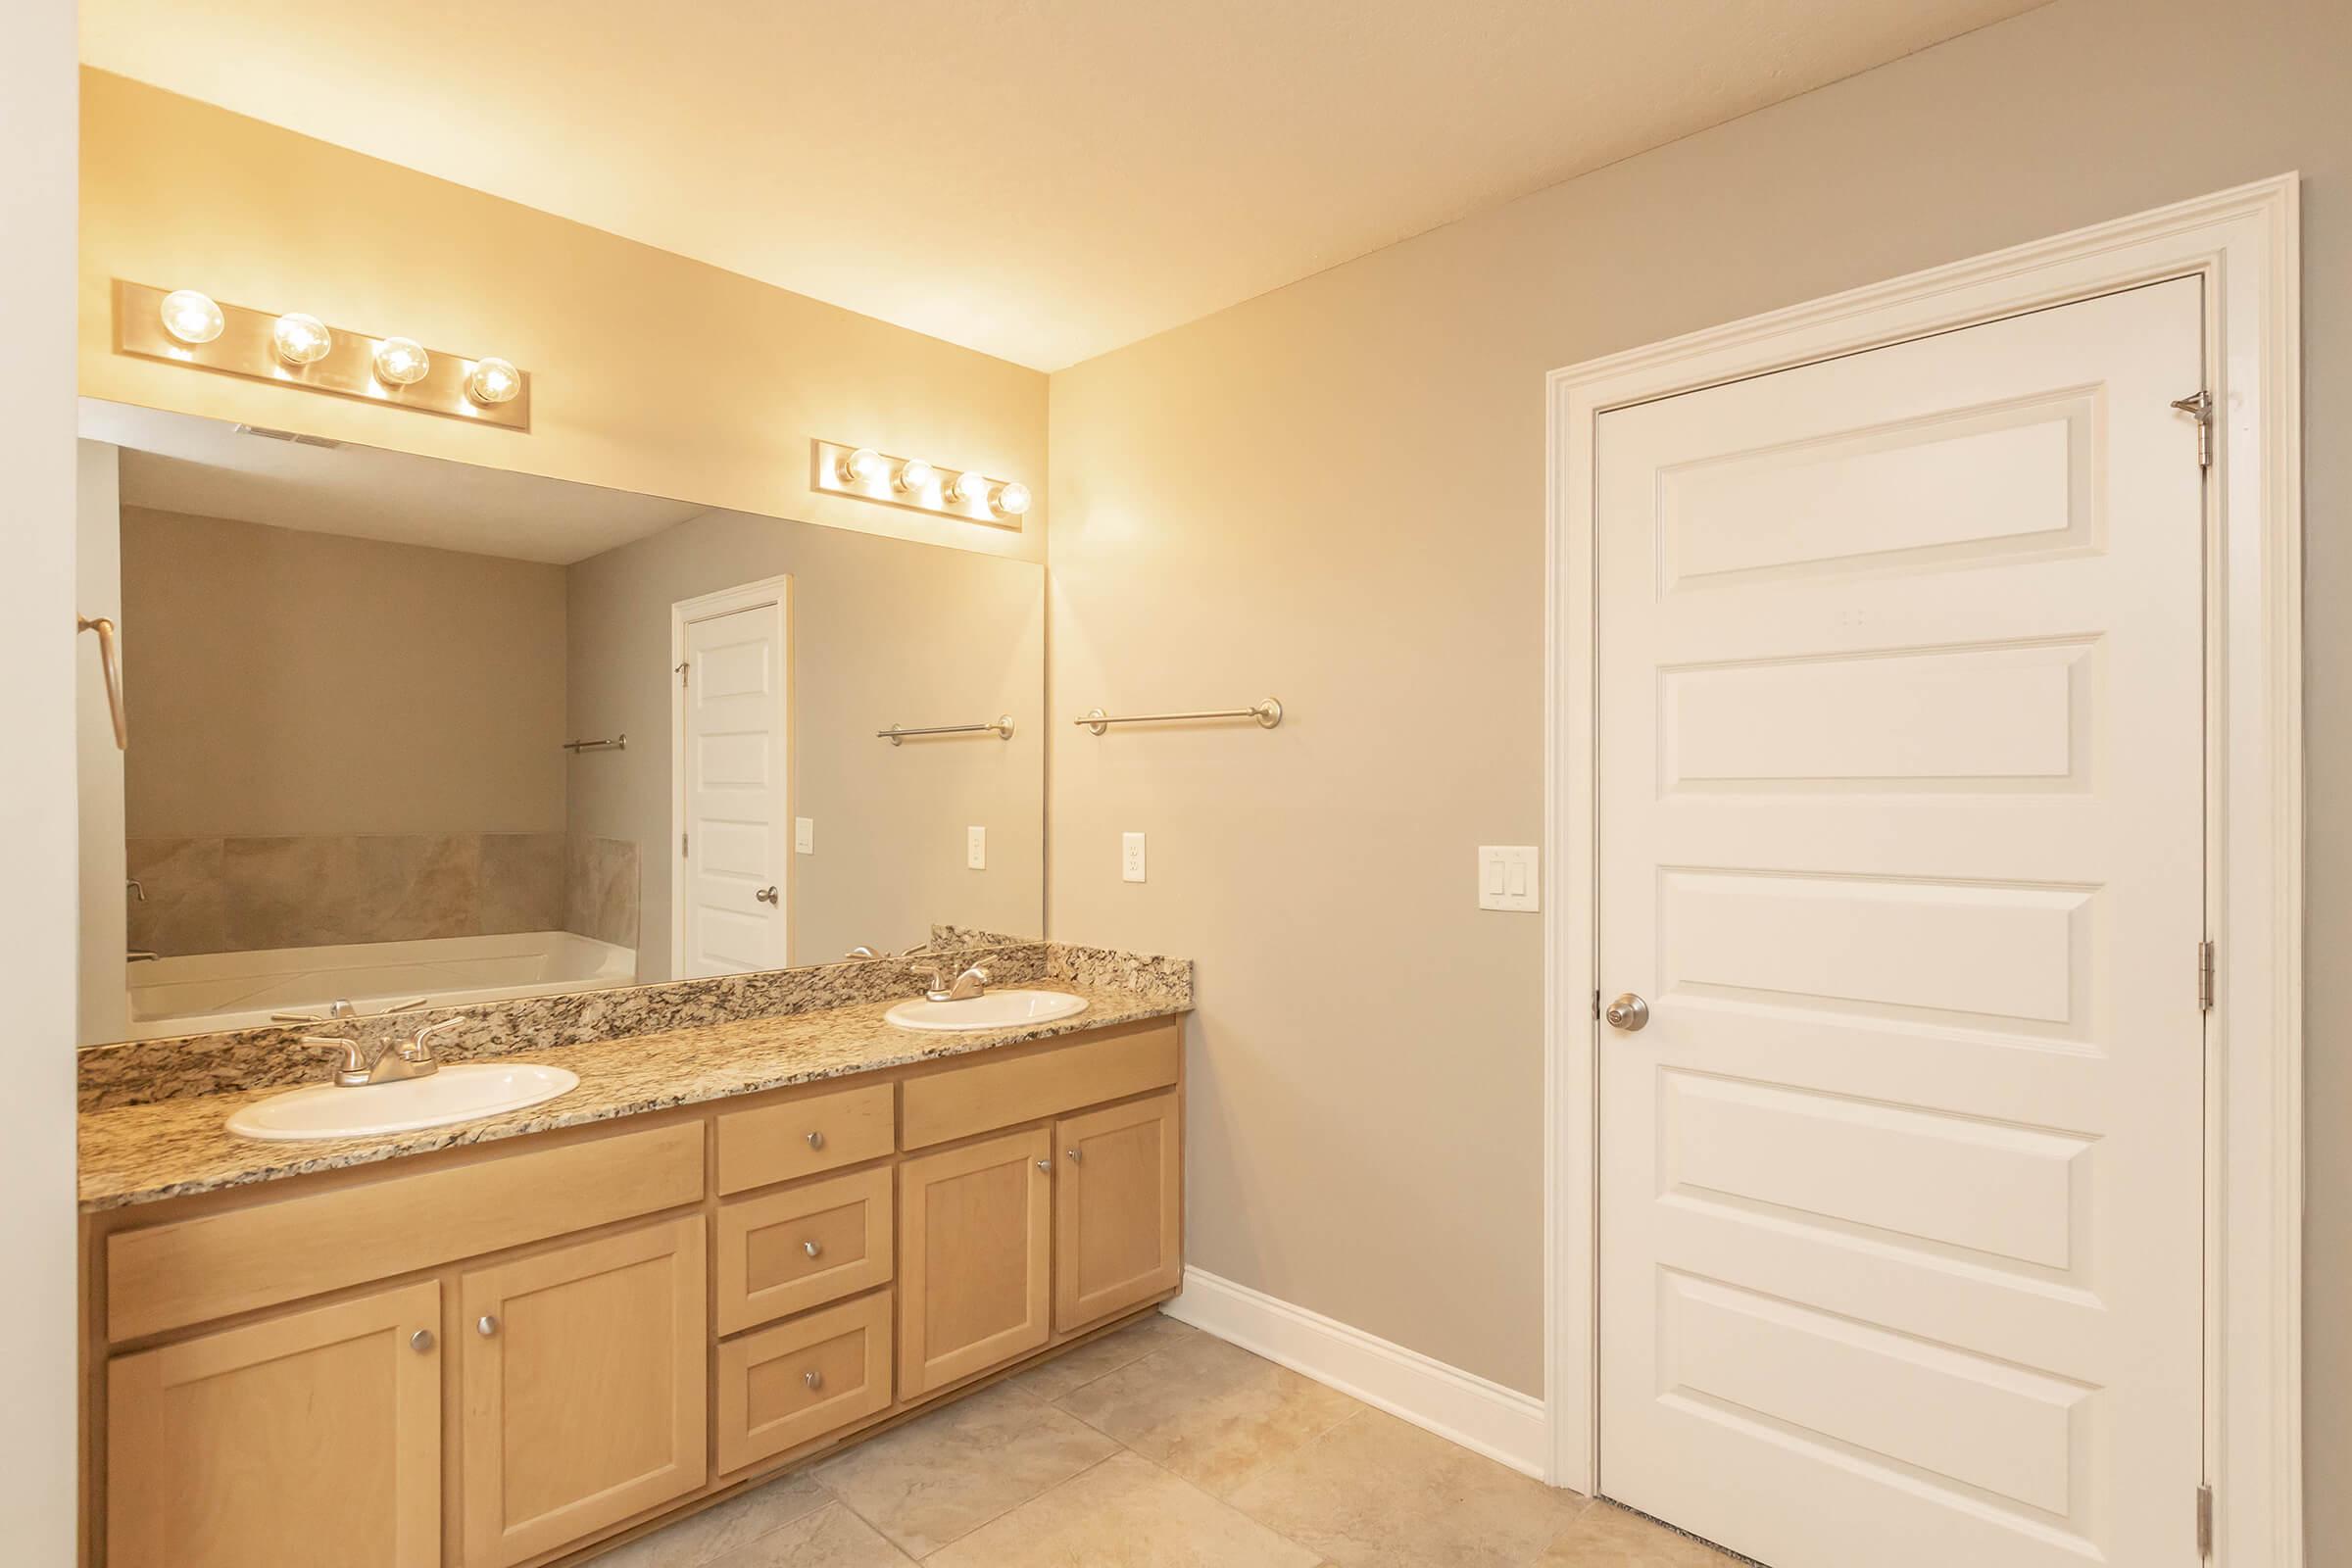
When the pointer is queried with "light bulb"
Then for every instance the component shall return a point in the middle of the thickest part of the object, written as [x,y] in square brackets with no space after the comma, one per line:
[401,362]
[862,466]
[913,474]
[968,487]
[301,339]
[192,317]
[493,382]
[1013,499]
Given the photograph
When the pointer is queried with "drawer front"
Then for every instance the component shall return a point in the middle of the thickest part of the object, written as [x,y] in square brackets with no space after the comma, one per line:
[785,1252]
[803,1137]
[797,1381]
[942,1106]
[194,1270]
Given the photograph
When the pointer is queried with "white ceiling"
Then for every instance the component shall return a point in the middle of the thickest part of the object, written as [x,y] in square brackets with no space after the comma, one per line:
[1040,179]
[178,462]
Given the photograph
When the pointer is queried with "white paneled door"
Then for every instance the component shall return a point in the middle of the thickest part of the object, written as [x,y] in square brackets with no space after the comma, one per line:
[737,808]
[1902,845]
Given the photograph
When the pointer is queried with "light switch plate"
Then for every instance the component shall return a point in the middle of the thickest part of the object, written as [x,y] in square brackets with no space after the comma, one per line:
[1508,878]
[804,836]
[1131,857]
[975,848]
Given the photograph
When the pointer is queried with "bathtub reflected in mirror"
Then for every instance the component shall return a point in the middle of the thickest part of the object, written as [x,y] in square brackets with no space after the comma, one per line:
[405,729]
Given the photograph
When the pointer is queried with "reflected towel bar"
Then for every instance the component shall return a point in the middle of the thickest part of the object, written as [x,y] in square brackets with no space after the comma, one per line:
[1268,714]
[619,743]
[1001,729]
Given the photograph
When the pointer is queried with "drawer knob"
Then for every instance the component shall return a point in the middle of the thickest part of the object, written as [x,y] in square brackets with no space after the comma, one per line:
[421,1340]
[1045,1164]
[1076,1159]
[485,1325]
[817,1139]
[814,1249]
[814,1380]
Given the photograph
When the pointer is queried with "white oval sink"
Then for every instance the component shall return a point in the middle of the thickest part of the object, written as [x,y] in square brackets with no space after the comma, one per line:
[463,1093]
[994,1010]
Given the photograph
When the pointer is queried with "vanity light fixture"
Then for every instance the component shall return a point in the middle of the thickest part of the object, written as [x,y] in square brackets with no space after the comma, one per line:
[894,480]
[914,474]
[301,339]
[862,466]
[401,362]
[191,328]
[1013,499]
[192,316]
[493,382]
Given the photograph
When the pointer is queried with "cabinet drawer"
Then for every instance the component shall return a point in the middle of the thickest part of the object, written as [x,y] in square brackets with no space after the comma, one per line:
[803,1137]
[193,1270]
[785,1252]
[794,1382]
[1112,1065]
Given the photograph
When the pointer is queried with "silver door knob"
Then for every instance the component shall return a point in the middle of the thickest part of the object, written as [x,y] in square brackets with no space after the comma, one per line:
[1045,1164]
[817,1139]
[1628,1013]
[813,1248]
[814,1380]
[421,1340]
[485,1325]
[1076,1159]
[766,895]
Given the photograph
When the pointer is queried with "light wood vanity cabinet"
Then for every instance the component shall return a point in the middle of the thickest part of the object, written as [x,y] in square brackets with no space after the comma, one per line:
[505,1356]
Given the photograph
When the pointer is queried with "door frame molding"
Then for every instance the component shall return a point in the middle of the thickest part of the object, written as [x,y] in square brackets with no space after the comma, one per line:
[775,591]
[2244,243]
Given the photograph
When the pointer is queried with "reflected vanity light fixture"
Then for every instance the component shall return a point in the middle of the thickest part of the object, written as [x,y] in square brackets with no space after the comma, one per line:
[967,495]
[293,348]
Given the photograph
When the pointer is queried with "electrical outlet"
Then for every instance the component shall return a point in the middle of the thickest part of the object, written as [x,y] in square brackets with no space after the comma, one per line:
[975,848]
[804,836]
[1131,857]
[1508,877]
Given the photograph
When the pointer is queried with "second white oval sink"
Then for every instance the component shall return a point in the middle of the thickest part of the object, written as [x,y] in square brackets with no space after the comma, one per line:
[463,1093]
[994,1009]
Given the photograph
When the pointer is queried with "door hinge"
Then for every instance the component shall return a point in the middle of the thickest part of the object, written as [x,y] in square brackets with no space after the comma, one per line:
[2202,407]
[1596,1006]
[2204,1521]
[681,845]
[2205,977]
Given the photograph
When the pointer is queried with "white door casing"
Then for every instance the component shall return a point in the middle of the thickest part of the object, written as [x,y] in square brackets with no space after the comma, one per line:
[2242,246]
[1902,837]
[731,782]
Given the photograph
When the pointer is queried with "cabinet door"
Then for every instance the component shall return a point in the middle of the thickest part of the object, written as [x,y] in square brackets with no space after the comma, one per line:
[975,1258]
[586,1388]
[310,1438]
[1118,1210]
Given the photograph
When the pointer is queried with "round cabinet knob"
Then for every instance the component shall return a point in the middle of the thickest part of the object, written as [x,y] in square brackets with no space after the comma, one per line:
[817,1139]
[814,1380]
[1045,1164]
[1075,1157]
[1628,1013]
[421,1340]
[814,1249]
[485,1325]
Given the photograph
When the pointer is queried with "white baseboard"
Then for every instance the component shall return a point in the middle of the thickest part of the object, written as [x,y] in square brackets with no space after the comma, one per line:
[1502,1423]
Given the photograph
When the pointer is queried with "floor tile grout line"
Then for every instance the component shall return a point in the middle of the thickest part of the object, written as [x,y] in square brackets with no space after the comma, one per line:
[1091,1466]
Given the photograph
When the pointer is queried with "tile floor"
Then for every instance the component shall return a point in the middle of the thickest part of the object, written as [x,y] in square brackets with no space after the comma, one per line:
[1161,1447]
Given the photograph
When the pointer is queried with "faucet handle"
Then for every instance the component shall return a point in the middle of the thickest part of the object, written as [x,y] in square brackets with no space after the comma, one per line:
[418,1048]
[353,1068]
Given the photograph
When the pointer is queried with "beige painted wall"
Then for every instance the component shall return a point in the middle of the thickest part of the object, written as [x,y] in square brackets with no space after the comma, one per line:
[884,632]
[39,651]
[650,372]
[1335,494]
[291,682]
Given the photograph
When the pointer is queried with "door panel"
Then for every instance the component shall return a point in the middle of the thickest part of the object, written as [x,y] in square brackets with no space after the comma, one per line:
[1117,1210]
[975,1258]
[1901,838]
[737,801]
[310,1438]
[585,1389]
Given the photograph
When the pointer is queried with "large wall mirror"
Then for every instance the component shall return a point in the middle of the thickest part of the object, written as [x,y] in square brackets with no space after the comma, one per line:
[400,728]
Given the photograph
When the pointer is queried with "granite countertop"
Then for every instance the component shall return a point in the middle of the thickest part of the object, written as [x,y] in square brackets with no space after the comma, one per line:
[143,1153]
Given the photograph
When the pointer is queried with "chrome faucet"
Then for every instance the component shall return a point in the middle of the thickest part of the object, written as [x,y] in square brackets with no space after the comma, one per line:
[392,1065]
[972,982]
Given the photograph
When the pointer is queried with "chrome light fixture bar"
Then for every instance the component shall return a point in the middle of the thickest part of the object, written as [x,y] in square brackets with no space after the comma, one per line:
[918,484]
[293,349]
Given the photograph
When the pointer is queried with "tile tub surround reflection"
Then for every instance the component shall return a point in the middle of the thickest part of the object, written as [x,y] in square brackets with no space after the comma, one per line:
[171,1147]
[139,1072]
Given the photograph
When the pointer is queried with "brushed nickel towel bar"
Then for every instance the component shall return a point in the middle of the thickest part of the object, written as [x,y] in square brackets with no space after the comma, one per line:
[619,743]
[110,661]
[1268,714]
[1001,729]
